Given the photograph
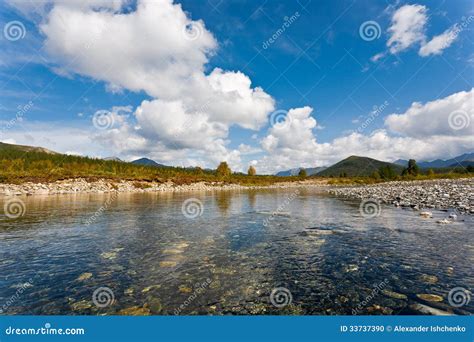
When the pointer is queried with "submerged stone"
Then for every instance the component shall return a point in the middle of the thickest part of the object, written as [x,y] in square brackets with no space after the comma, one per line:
[172,251]
[430,297]
[185,289]
[428,310]
[135,311]
[395,295]
[168,263]
[109,255]
[81,305]
[154,305]
[151,287]
[430,279]
[84,276]
[351,268]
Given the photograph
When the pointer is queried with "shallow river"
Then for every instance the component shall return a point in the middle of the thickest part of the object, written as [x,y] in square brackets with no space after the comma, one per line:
[236,252]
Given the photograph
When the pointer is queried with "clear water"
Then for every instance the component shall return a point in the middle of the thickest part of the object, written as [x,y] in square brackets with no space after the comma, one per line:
[156,260]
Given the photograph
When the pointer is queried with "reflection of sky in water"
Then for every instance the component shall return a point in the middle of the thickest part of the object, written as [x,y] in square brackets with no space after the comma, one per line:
[152,256]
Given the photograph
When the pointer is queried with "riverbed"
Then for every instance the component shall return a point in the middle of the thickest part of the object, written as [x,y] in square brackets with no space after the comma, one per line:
[297,251]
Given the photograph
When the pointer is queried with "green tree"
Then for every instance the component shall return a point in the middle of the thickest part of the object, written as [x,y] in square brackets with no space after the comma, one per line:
[302,173]
[470,168]
[412,168]
[223,170]
[375,175]
[387,173]
[431,172]
[251,171]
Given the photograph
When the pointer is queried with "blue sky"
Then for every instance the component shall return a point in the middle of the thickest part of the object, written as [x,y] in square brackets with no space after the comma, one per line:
[320,61]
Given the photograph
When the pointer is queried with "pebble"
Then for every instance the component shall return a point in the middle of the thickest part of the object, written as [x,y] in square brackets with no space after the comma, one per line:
[82,305]
[430,297]
[430,279]
[428,310]
[135,311]
[151,287]
[84,276]
[109,255]
[185,289]
[442,194]
[351,268]
[395,295]
[168,263]
[426,214]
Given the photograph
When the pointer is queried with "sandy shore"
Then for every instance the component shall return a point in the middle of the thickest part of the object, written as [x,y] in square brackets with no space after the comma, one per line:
[103,186]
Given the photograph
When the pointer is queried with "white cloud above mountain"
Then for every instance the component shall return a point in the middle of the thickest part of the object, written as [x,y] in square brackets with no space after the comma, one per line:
[449,116]
[443,127]
[157,49]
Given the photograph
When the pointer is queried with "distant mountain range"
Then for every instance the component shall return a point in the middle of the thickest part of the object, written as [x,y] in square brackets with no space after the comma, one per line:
[294,172]
[114,159]
[147,162]
[364,166]
[465,159]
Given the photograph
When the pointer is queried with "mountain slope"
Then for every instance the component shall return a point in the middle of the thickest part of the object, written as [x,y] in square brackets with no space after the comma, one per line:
[354,166]
[24,148]
[147,162]
[294,172]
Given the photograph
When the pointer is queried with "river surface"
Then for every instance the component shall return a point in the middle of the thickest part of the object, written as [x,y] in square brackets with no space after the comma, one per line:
[285,251]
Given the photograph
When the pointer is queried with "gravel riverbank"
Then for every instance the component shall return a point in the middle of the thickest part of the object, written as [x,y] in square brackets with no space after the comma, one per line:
[102,186]
[441,194]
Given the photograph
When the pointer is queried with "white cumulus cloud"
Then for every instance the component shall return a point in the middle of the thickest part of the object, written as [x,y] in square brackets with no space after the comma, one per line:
[438,43]
[407,28]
